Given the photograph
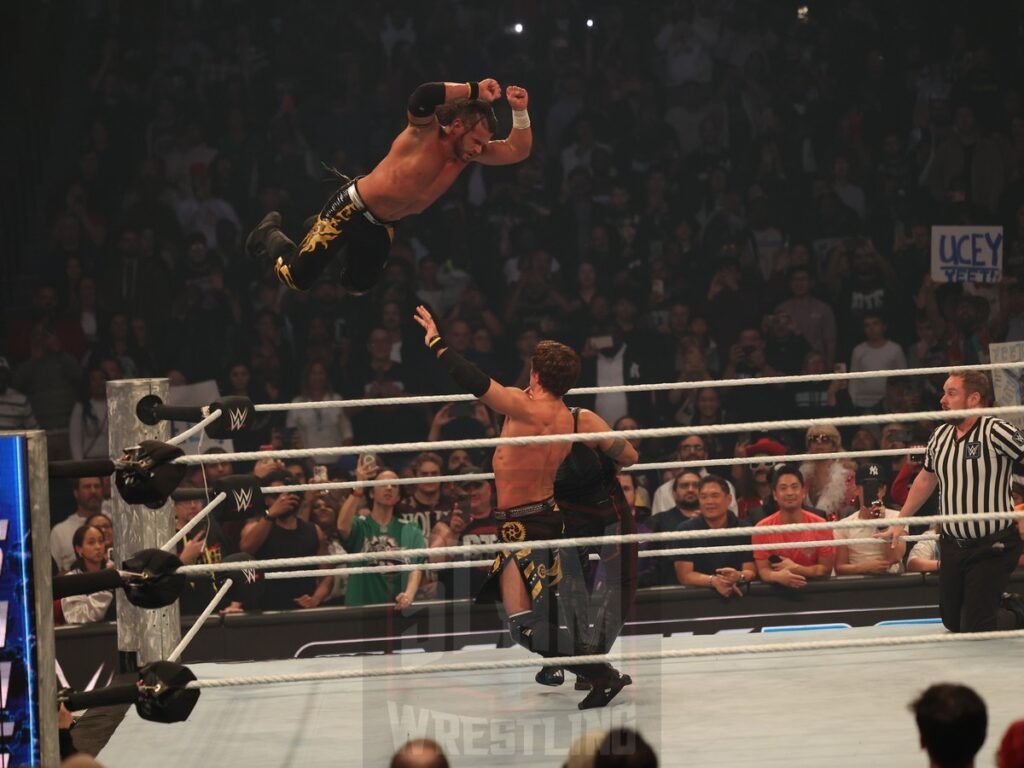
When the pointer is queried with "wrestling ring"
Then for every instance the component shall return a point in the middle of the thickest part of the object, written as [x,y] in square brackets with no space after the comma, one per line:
[794,698]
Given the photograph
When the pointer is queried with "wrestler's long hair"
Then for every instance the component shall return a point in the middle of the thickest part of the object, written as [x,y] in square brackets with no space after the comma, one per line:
[557,366]
[471,111]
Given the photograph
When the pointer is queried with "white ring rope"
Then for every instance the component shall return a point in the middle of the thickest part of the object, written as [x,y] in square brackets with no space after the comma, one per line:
[194,629]
[584,437]
[658,387]
[285,562]
[199,426]
[455,564]
[187,527]
[561,661]
[780,545]
[799,457]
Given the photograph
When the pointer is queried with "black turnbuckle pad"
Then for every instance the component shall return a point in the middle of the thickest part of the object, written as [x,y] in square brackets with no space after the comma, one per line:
[151,410]
[236,415]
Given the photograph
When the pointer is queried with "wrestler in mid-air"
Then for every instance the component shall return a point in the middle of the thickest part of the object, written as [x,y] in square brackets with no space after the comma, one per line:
[450,125]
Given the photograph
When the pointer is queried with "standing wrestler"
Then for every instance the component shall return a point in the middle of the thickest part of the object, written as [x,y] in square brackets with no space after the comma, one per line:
[524,477]
[450,126]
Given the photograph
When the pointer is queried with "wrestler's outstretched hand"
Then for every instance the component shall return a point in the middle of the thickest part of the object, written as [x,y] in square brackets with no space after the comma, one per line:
[426,322]
[517,97]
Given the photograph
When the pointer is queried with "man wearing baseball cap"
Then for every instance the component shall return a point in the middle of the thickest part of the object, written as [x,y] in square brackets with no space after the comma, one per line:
[15,410]
[471,521]
[872,484]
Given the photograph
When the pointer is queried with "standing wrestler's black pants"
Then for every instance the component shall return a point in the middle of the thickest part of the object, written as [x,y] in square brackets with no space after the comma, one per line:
[973,575]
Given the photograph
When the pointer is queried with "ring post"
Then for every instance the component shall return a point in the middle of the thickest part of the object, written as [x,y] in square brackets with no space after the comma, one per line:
[151,634]
[27,602]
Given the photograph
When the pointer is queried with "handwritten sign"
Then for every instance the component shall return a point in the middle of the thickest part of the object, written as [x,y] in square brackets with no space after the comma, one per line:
[967,254]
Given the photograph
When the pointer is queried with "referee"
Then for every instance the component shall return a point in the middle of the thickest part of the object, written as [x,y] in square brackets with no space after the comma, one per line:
[971,461]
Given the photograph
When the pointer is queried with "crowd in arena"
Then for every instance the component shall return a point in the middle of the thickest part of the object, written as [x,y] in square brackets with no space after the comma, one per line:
[715,190]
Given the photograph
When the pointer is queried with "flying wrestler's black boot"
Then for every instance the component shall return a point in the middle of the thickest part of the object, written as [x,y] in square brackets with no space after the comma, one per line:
[268,243]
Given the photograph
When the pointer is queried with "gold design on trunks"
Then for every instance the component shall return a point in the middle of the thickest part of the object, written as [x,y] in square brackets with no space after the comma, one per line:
[324,230]
[284,274]
[513,531]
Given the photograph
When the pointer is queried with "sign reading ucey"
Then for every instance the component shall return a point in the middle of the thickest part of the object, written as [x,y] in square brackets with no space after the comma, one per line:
[19,708]
[967,254]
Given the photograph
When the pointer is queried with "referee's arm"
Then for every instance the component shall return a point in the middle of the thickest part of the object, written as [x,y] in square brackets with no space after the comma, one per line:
[924,485]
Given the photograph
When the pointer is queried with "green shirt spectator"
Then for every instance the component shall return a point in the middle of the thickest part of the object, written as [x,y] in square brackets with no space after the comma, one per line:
[379,531]
[371,535]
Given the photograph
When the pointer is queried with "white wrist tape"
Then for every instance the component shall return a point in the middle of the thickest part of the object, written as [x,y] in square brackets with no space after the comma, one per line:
[520,119]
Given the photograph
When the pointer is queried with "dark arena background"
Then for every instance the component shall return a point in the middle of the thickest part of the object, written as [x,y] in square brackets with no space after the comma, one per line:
[278,397]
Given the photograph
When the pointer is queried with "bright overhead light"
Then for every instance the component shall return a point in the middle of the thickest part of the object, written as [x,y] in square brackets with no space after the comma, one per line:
[590,22]
[518,28]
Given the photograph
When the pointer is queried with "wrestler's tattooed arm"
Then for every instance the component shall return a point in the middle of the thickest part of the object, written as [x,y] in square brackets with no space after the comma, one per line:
[614,451]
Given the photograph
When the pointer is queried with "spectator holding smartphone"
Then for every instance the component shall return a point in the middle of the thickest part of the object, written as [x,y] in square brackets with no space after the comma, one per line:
[878,557]
[462,421]
[203,544]
[910,470]
[471,521]
[379,531]
[279,532]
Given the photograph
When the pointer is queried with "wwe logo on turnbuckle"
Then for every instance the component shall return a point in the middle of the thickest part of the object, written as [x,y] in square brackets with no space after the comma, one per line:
[237,418]
[243,498]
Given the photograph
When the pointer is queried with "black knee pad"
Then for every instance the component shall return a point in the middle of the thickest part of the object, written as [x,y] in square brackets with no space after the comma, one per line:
[525,628]
[361,273]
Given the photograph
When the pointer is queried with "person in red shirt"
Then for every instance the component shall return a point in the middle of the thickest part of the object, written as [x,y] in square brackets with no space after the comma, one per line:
[792,567]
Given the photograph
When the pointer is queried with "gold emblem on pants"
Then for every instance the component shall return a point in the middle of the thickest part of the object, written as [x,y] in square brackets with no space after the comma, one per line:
[513,531]
[324,231]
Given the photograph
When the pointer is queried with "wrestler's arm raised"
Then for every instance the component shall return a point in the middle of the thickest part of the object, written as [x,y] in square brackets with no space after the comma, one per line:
[505,400]
[617,449]
[516,146]
[429,96]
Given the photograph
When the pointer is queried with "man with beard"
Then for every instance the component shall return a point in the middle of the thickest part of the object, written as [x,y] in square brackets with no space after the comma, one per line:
[470,521]
[449,126]
[280,532]
[687,507]
[690,448]
[970,460]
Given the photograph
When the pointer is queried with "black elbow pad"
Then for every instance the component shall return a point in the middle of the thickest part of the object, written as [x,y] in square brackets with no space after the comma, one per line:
[425,99]
[466,375]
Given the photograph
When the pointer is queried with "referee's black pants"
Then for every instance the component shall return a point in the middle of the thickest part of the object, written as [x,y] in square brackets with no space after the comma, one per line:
[972,578]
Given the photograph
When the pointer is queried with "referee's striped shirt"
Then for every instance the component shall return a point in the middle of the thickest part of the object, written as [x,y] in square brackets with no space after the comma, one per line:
[974,474]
